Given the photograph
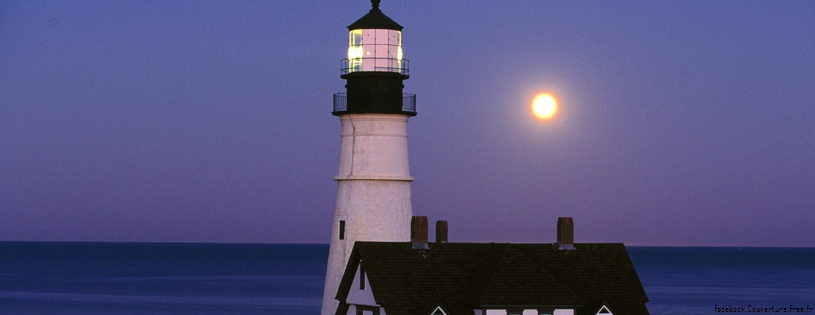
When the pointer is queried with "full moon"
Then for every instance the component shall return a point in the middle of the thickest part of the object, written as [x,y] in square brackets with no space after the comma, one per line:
[544,106]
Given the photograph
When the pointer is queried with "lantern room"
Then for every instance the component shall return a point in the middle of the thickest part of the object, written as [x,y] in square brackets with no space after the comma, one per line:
[374,69]
[375,44]
[374,50]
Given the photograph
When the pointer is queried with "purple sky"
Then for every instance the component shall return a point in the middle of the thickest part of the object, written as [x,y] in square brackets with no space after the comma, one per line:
[681,123]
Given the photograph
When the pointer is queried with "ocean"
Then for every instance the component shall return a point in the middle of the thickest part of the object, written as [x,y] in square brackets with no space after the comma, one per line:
[159,278]
[696,280]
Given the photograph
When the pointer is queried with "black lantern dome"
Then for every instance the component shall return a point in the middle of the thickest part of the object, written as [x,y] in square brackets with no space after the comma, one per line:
[375,19]
[375,68]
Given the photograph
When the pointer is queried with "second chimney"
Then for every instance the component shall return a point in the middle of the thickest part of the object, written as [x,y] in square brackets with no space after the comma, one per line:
[418,232]
[441,231]
[565,233]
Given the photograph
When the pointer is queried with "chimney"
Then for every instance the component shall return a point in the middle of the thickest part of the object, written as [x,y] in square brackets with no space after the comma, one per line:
[565,234]
[441,231]
[418,232]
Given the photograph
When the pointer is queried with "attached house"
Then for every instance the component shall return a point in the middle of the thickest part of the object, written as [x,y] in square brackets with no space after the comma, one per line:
[441,278]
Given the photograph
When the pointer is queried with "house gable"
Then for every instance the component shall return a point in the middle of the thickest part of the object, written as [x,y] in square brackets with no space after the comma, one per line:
[355,293]
[360,292]
[438,311]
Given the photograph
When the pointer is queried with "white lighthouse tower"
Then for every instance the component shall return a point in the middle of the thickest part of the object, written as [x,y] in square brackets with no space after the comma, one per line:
[373,182]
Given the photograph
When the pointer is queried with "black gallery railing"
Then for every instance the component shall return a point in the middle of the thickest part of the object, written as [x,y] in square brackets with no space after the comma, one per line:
[408,102]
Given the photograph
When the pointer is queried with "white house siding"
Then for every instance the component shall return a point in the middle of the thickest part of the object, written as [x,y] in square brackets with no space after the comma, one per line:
[527,312]
[361,297]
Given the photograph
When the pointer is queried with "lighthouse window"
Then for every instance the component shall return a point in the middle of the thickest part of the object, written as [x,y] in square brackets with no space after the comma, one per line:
[381,37]
[355,38]
[368,36]
[394,38]
[342,229]
[393,52]
[381,51]
[355,50]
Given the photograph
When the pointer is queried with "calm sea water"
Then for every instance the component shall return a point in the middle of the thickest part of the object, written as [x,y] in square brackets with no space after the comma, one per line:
[133,278]
[694,280]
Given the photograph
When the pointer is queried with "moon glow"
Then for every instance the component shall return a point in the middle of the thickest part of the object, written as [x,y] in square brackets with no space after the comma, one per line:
[544,106]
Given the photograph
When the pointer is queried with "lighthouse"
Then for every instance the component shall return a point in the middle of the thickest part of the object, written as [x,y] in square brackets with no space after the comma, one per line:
[373,181]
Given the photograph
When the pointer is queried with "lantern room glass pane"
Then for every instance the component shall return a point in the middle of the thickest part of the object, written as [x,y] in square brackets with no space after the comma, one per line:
[368,64]
[368,51]
[381,51]
[381,36]
[393,38]
[393,52]
[368,37]
[355,38]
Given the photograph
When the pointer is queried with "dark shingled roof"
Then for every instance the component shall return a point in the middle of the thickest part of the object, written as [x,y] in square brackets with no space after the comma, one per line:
[462,277]
[375,19]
